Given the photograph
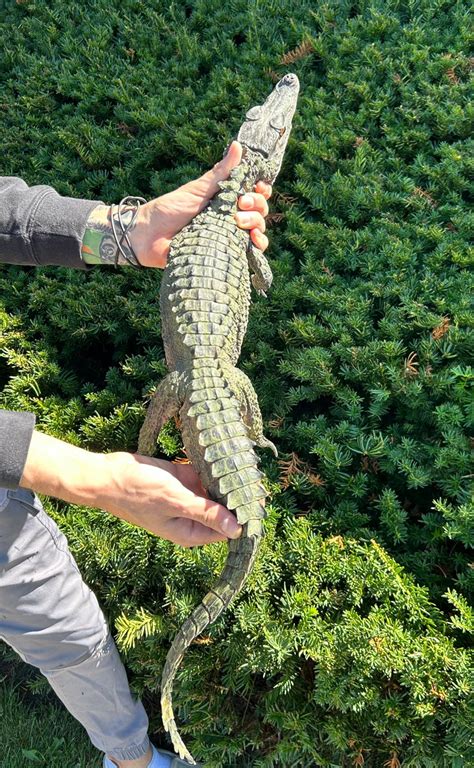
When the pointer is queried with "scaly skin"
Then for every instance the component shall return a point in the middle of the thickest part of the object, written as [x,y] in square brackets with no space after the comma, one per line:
[204,303]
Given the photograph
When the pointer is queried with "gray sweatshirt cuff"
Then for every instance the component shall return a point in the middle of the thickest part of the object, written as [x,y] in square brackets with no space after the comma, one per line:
[39,227]
[57,227]
[16,430]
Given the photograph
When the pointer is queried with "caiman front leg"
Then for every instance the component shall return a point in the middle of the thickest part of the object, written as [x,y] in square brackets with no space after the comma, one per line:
[250,408]
[261,274]
[164,404]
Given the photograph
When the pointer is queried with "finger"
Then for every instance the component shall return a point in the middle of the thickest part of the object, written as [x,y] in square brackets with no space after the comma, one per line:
[185,474]
[212,515]
[194,502]
[250,220]
[259,239]
[209,181]
[188,476]
[255,202]
[233,157]
[199,489]
[189,533]
[194,485]
[264,188]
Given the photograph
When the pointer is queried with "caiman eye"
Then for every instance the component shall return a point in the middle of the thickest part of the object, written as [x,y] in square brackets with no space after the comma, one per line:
[278,123]
[253,113]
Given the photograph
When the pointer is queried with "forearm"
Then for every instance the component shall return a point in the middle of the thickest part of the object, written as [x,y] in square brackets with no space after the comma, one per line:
[98,243]
[65,471]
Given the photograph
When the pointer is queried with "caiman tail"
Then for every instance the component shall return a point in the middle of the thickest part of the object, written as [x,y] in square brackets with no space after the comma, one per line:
[242,553]
[217,442]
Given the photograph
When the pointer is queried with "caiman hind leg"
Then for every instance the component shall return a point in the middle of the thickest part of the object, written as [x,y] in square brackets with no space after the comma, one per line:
[250,408]
[164,404]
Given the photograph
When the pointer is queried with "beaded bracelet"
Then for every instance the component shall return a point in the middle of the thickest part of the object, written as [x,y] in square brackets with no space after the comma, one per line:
[134,202]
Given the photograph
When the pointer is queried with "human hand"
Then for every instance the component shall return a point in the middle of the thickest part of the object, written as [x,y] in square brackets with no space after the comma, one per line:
[166,499]
[159,220]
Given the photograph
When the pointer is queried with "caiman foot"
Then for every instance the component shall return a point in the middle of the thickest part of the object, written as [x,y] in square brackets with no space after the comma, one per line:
[264,442]
[249,406]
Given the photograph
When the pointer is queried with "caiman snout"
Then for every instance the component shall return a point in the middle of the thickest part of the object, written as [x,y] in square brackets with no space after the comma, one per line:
[267,127]
[290,80]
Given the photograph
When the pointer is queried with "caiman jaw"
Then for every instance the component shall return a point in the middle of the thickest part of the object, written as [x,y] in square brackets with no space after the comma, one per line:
[267,127]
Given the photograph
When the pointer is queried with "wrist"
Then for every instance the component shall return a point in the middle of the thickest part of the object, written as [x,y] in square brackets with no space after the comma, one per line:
[99,244]
[149,240]
[139,235]
[65,471]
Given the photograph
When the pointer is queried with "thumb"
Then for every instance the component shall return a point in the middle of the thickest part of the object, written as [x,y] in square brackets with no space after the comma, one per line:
[212,515]
[221,170]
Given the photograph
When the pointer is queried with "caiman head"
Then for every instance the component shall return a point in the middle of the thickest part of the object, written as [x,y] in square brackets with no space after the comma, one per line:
[265,132]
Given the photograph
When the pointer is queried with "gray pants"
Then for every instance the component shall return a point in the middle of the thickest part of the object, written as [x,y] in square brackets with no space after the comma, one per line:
[53,621]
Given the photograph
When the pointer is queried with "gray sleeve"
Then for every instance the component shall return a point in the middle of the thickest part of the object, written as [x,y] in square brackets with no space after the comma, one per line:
[39,227]
[16,430]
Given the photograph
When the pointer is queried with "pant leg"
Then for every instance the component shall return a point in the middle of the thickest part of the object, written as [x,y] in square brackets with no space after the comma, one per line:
[51,618]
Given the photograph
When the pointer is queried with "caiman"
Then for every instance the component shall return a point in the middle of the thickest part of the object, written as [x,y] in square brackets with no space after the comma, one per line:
[204,305]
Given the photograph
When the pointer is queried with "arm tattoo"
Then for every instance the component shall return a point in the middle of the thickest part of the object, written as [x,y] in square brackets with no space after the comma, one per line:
[98,244]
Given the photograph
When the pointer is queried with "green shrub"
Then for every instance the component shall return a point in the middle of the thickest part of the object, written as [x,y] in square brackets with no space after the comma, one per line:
[350,645]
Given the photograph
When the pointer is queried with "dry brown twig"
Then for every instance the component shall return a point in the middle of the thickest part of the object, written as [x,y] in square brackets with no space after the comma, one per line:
[300,52]
[410,365]
[441,329]
[296,466]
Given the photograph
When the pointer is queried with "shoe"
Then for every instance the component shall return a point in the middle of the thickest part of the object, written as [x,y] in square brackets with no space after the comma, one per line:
[176,761]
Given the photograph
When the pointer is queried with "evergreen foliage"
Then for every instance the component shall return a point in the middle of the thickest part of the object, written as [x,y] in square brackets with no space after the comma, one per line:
[351,644]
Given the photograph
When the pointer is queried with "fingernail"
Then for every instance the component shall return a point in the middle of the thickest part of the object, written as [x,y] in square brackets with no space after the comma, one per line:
[231,528]
[246,200]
